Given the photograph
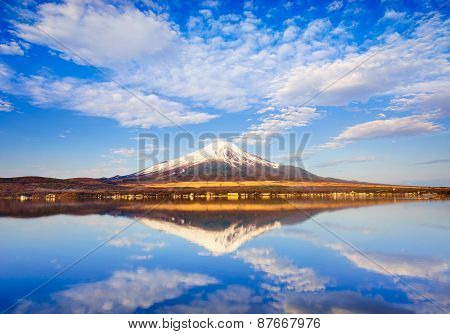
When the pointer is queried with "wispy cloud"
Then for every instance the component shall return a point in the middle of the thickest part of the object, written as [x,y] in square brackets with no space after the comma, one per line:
[282,271]
[335,5]
[395,264]
[432,162]
[345,161]
[234,62]
[388,264]
[210,3]
[385,128]
[124,152]
[5,105]
[281,121]
[403,66]
[11,48]
[392,14]
[234,299]
[64,134]
[107,99]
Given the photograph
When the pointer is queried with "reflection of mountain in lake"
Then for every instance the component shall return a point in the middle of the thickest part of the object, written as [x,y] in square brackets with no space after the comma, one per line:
[217,241]
[222,227]
[159,264]
[218,226]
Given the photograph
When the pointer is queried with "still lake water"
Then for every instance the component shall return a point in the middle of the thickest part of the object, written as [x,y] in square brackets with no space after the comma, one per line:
[226,257]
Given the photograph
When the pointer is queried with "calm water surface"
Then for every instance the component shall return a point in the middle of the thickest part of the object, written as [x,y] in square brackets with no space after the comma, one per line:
[226,257]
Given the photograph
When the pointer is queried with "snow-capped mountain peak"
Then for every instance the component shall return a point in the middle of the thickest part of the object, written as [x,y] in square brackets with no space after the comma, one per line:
[219,151]
[228,152]
[218,161]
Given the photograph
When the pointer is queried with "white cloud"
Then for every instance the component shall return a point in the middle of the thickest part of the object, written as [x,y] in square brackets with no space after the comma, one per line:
[346,161]
[234,299]
[385,128]
[156,6]
[124,152]
[419,83]
[423,97]
[5,77]
[106,99]
[139,257]
[206,13]
[392,264]
[391,14]
[432,162]
[415,64]
[354,228]
[316,28]
[436,292]
[335,5]
[290,33]
[233,63]
[281,270]
[288,5]
[286,118]
[120,242]
[11,48]
[389,264]
[249,5]
[125,292]
[137,240]
[338,302]
[226,63]
[210,3]
[229,74]
[5,105]
[428,275]
[98,32]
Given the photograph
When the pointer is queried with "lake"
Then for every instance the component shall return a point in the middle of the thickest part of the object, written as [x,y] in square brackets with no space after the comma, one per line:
[243,256]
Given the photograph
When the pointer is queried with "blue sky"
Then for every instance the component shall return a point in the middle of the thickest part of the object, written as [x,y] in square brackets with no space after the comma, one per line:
[80,80]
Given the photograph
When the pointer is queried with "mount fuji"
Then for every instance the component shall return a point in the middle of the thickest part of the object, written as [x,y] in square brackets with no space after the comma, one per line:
[220,161]
[220,169]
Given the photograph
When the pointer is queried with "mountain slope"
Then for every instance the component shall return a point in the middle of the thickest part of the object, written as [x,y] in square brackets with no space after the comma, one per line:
[220,160]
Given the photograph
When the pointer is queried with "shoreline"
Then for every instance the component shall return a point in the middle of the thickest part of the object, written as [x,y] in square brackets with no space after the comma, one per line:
[50,197]
[26,188]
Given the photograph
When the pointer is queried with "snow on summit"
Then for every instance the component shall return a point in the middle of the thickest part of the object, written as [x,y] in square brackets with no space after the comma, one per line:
[219,151]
